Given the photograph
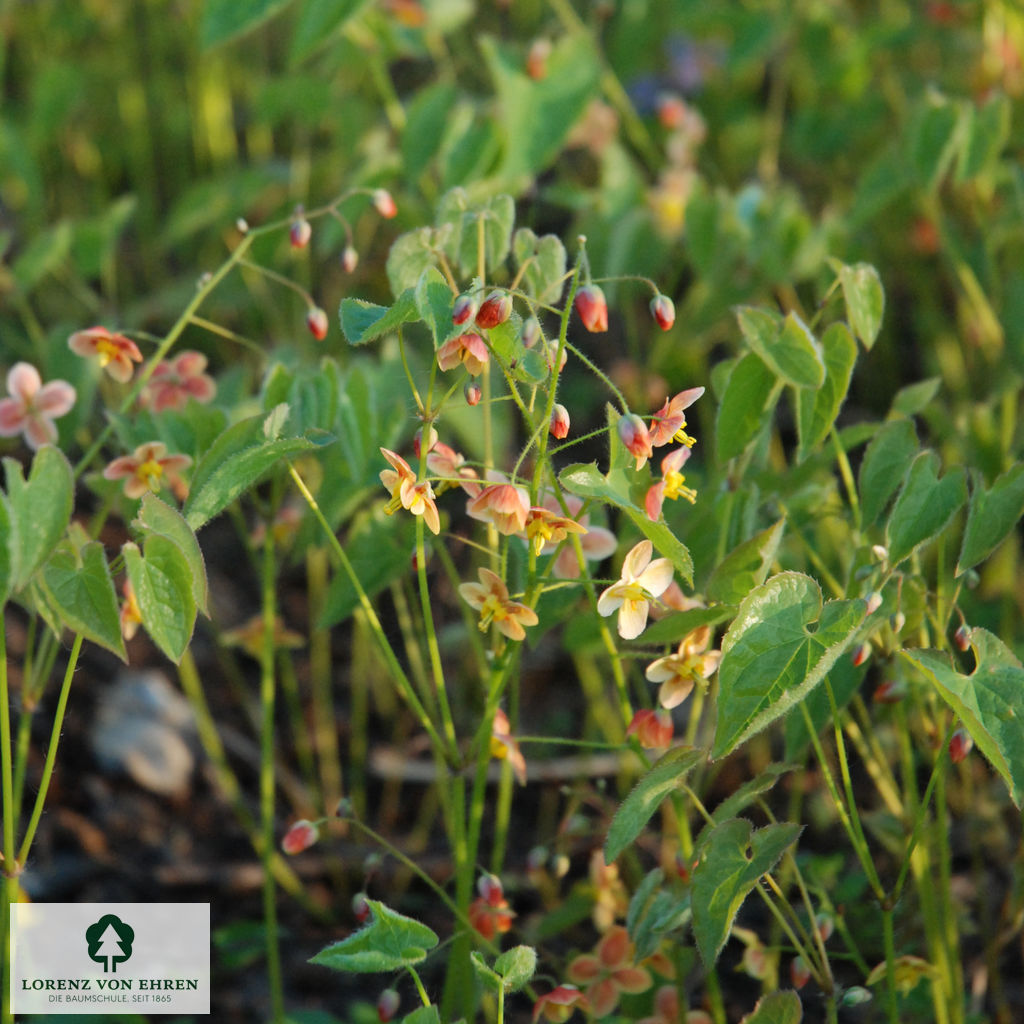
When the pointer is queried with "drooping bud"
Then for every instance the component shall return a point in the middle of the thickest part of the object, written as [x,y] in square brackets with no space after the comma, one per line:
[636,438]
[799,972]
[301,836]
[495,309]
[559,421]
[652,728]
[826,925]
[861,653]
[343,809]
[663,310]
[855,995]
[962,638]
[384,203]
[891,691]
[316,321]
[960,745]
[897,622]
[473,393]
[592,308]
[874,602]
[300,233]
[530,333]
[417,440]
[349,259]
[387,1005]
[490,889]
[360,908]
[537,59]
[465,308]
[242,226]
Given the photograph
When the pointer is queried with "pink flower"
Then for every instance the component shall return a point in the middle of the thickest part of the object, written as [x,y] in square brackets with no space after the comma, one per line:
[544,527]
[558,1004]
[672,485]
[608,972]
[504,746]
[450,466]
[464,308]
[177,380]
[490,598]
[960,745]
[597,543]
[301,836]
[635,438]
[469,349]
[490,913]
[668,422]
[652,728]
[504,505]
[406,493]
[148,468]
[667,1010]
[592,307]
[33,405]
[692,663]
[642,580]
[115,352]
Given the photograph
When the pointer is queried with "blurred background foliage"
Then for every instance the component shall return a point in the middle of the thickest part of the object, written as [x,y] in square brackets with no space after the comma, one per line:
[723,149]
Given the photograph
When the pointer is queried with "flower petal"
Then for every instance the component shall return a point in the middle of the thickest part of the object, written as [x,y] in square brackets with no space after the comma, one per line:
[23,381]
[636,561]
[12,417]
[656,577]
[632,618]
[56,399]
[39,431]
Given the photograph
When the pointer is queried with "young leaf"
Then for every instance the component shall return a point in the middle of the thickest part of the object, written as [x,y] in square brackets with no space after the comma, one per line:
[783,1007]
[654,911]
[746,406]
[516,967]
[885,461]
[743,797]
[79,589]
[433,297]
[925,505]
[646,796]
[864,298]
[788,347]
[771,659]
[816,410]
[225,19]
[410,254]
[162,582]
[913,398]
[987,134]
[389,942]
[745,567]
[157,517]
[39,510]
[993,514]
[731,861]
[987,702]
[363,322]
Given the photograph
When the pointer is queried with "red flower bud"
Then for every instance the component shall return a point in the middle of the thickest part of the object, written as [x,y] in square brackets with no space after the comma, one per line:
[652,728]
[892,691]
[465,308]
[316,321]
[473,393]
[384,203]
[495,309]
[349,259]
[861,653]
[301,836]
[387,1005]
[559,421]
[490,889]
[360,907]
[592,307]
[799,972]
[300,233]
[962,637]
[960,744]
[664,311]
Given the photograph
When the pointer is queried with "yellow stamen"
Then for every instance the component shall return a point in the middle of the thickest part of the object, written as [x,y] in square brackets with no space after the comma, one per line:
[675,487]
[151,472]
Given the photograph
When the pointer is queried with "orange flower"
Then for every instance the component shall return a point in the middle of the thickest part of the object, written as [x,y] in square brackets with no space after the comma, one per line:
[692,663]
[450,465]
[558,1004]
[668,422]
[652,728]
[418,498]
[469,349]
[490,598]
[544,527]
[504,746]
[177,380]
[148,468]
[131,614]
[504,505]
[490,914]
[635,438]
[671,486]
[115,352]
[33,405]
[608,972]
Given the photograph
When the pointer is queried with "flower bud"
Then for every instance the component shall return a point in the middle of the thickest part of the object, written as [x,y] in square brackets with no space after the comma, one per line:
[343,809]
[652,728]
[664,311]
[897,622]
[962,637]
[559,426]
[530,333]
[854,996]
[465,308]
[874,602]
[473,393]
[860,654]
[300,233]
[490,889]
[537,59]
[891,691]
[384,203]
[495,309]
[242,226]
[360,907]
[825,924]
[960,745]
[799,972]
[636,438]
[349,259]
[387,1005]
[592,308]
[301,836]
[316,321]
[536,859]
[417,440]
[560,865]
[880,552]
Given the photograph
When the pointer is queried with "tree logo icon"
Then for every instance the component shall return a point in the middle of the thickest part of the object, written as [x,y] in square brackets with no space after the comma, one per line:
[110,942]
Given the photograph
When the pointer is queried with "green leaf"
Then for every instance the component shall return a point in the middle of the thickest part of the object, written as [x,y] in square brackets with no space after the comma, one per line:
[987,133]
[911,399]
[816,410]
[39,510]
[646,796]
[743,797]
[44,254]
[496,214]
[363,322]
[924,506]
[864,298]
[771,659]
[483,970]
[409,256]
[746,566]
[318,22]
[788,347]
[225,19]
[746,406]
[162,581]
[236,461]
[423,1015]
[389,942]
[157,517]
[886,460]
[731,861]
[544,259]
[782,1007]
[673,627]
[987,702]
[78,588]
[433,297]
[993,514]
[379,548]
[654,912]
[425,124]
[586,481]
[516,967]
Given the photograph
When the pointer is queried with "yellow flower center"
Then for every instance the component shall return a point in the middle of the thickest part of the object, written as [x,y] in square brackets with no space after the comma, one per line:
[151,472]
[675,487]
[492,611]
[106,350]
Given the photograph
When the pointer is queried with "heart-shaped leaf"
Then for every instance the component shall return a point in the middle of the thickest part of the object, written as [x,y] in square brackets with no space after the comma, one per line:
[924,506]
[389,942]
